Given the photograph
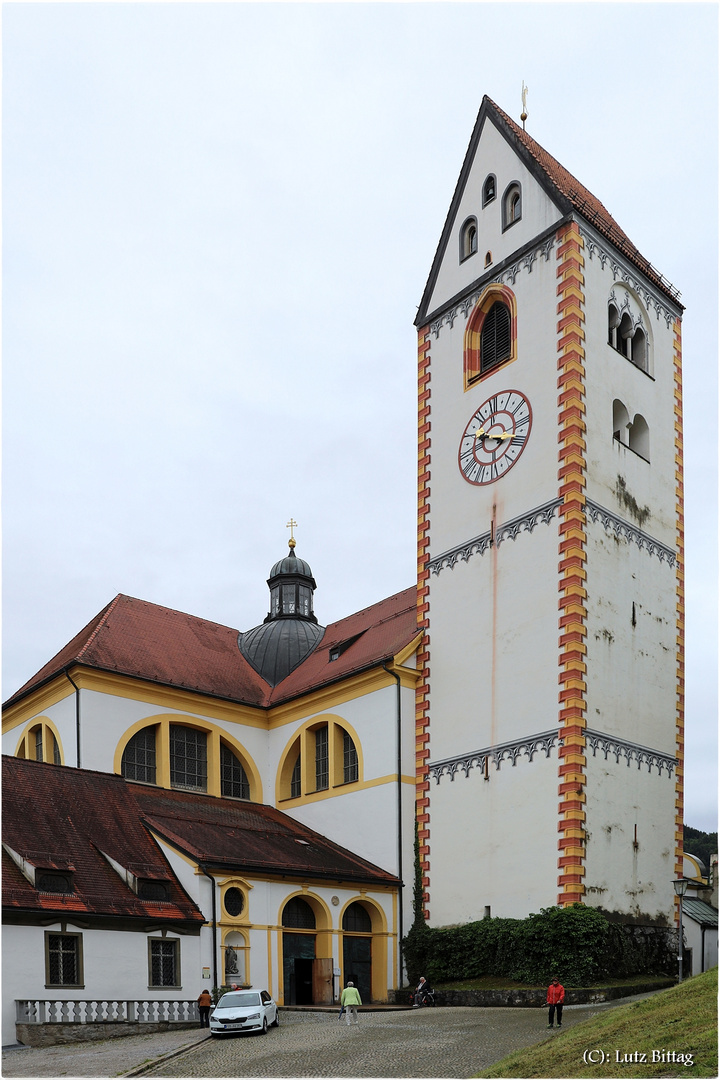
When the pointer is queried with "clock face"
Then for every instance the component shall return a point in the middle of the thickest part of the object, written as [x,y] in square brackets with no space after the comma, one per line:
[495,437]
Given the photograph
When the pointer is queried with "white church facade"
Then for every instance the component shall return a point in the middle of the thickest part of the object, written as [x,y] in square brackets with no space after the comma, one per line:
[523,702]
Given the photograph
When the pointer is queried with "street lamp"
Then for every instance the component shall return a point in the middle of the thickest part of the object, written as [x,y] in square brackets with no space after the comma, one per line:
[681,886]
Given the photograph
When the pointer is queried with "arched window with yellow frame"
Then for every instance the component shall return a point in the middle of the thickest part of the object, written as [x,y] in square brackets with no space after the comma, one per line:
[191,755]
[40,741]
[491,334]
[323,757]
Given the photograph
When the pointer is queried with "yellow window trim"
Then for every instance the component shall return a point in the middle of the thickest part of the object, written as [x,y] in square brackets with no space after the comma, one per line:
[216,734]
[24,741]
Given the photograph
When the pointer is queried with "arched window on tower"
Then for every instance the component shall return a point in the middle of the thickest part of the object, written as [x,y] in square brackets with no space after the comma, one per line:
[639,437]
[495,339]
[489,189]
[621,422]
[613,323]
[468,239]
[638,349]
[512,205]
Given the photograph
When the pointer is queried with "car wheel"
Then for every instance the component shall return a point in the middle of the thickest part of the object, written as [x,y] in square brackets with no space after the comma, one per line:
[276,1021]
[263,1030]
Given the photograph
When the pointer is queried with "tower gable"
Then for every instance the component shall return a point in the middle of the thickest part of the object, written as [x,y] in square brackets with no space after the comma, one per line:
[494,171]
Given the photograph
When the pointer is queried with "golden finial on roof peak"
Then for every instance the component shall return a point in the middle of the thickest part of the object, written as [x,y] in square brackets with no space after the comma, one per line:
[523,114]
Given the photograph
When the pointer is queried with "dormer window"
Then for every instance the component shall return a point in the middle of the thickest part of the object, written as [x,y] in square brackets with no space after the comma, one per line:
[54,881]
[489,190]
[336,651]
[468,239]
[152,889]
[512,205]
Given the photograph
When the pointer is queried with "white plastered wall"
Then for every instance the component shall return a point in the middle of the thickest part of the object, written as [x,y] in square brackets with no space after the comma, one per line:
[630,839]
[493,155]
[115,965]
[494,842]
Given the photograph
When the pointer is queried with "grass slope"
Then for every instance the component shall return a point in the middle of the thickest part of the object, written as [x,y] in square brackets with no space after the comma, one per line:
[682,1019]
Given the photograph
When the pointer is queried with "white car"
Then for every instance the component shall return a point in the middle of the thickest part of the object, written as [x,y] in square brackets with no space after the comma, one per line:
[244,1010]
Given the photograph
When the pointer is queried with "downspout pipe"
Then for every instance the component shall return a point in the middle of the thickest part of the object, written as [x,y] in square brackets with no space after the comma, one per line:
[214,924]
[77,717]
[399,815]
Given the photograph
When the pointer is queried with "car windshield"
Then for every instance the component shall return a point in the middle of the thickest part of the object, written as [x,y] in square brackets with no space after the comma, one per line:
[238,1001]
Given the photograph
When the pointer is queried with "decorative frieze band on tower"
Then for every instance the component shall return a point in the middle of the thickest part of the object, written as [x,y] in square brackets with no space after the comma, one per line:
[680,598]
[572,650]
[422,705]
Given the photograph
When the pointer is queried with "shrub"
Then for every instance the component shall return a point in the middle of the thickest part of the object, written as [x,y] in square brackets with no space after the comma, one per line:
[577,943]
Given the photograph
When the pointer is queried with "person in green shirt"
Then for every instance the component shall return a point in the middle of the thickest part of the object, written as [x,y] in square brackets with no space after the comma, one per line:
[350,999]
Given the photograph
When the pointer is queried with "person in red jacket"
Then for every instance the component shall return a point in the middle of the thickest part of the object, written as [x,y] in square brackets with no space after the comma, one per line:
[555,998]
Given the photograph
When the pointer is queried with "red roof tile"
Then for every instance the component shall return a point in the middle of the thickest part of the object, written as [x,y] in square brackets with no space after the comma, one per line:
[57,817]
[381,631]
[585,202]
[157,644]
[249,837]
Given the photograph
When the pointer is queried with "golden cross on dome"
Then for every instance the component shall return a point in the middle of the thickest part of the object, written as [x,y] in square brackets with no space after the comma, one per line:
[292,524]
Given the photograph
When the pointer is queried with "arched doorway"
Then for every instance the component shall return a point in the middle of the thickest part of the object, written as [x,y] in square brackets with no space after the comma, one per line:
[357,949]
[298,922]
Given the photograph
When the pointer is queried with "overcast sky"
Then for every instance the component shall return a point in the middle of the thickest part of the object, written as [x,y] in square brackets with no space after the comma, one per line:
[218,221]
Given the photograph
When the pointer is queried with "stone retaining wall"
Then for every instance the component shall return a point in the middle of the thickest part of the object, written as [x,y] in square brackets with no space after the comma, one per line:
[55,1034]
[529,998]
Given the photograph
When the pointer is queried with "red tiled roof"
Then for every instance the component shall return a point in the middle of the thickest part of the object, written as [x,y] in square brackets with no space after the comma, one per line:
[157,644]
[381,631]
[148,641]
[64,818]
[249,837]
[585,202]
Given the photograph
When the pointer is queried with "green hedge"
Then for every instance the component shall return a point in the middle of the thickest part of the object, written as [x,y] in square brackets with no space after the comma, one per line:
[577,943]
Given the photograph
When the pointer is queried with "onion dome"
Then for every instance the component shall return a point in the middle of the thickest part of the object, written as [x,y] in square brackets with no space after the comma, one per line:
[290,631]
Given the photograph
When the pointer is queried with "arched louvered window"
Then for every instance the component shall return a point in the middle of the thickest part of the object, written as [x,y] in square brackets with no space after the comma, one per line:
[298,915]
[357,920]
[495,336]
[233,778]
[139,757]
[488,190]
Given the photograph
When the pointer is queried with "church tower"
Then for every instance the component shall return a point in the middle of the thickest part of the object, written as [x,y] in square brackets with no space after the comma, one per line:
[549,729]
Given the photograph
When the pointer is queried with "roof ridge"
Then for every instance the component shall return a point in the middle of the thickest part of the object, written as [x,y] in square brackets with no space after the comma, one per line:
[583,201]
[101,622]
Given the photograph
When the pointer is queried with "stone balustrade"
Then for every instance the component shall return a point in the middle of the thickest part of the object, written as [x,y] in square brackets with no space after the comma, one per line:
[48,1021]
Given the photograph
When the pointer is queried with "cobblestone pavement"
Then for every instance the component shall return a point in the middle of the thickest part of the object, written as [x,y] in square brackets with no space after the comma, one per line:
[108,1057]
[447,1042]
[443,1042]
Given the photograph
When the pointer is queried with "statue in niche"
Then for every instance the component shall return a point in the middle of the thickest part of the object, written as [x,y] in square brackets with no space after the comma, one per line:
[231,967]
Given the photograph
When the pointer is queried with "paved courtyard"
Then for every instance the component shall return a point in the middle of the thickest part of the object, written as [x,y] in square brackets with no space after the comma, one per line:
[447,1042]
[443,1042]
